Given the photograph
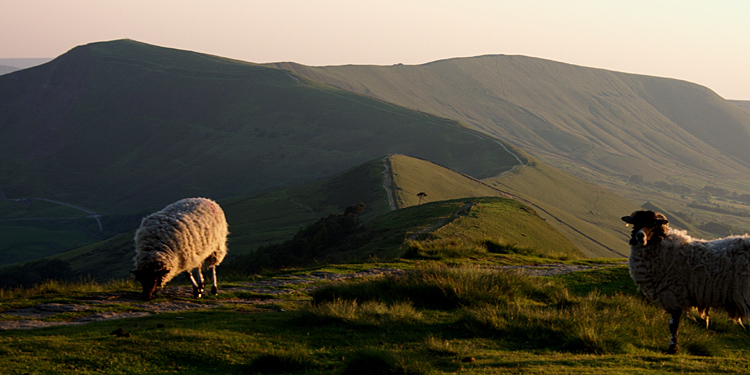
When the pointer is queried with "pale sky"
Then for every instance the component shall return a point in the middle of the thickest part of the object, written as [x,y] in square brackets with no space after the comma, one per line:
[706,42]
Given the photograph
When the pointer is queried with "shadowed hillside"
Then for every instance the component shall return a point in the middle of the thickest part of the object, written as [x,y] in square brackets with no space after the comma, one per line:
[124,126]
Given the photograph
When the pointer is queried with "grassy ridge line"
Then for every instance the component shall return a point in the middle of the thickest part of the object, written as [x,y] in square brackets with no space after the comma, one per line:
[553,194]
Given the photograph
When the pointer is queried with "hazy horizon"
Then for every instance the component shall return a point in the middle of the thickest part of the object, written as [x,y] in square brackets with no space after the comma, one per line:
[701,42]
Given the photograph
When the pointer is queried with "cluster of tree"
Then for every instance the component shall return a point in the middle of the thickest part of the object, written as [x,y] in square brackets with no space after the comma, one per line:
[721,230]
[310,245]
[35,272]
[675,188]
[724,193]
[661,185]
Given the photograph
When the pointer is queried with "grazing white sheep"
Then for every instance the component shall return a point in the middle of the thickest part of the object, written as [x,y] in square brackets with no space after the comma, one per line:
[679,272]
[185,235]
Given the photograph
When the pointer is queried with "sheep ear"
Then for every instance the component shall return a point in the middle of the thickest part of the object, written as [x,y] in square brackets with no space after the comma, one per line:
[662,221]
[627,219]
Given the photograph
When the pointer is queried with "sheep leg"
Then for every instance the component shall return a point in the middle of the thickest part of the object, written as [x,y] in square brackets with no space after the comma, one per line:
[214,288]
[674,324]
[197,288]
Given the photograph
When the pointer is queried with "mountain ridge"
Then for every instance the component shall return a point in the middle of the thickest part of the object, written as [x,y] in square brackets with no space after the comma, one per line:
[566,112]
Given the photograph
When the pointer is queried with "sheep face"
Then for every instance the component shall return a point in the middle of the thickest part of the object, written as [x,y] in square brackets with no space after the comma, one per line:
[150,280]
[648,226]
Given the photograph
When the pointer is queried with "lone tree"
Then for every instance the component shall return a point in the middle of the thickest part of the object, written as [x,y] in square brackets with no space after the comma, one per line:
[421,196]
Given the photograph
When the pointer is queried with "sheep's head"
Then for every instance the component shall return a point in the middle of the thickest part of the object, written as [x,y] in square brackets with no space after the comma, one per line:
[648,226]
[150,280]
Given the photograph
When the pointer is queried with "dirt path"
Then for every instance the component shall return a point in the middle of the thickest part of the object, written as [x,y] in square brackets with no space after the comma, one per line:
[179,298]
[388,184]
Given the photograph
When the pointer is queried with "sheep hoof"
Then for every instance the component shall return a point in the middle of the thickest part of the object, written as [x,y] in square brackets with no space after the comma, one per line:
[214,290]
[198,292]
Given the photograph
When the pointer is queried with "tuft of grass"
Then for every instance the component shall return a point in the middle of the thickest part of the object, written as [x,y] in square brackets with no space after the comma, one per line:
[442,348]
[368,313]
[443,249]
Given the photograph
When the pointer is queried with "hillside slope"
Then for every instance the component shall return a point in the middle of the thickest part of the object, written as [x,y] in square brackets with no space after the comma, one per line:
[587,214]
[124,126]
[613,123]
[275,216]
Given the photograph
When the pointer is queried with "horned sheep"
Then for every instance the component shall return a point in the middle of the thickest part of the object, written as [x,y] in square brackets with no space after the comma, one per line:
[679,272]
[188,234]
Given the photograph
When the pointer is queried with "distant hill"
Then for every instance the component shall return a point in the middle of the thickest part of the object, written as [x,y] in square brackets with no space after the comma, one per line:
[609,123]
[120,127]
[23,63]
[5,69]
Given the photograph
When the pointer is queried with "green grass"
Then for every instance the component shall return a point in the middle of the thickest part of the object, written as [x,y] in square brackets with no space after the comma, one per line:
[430,320]
[506,322]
